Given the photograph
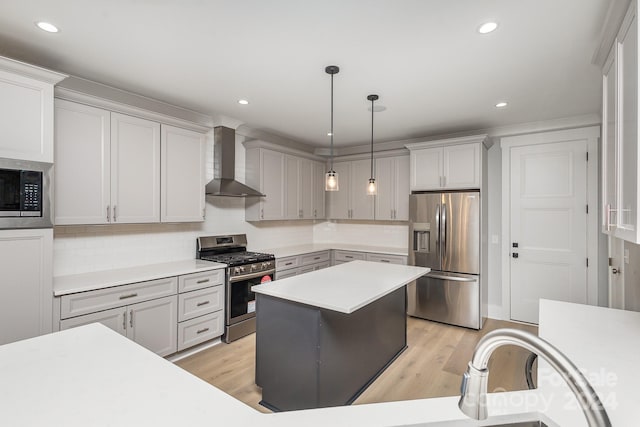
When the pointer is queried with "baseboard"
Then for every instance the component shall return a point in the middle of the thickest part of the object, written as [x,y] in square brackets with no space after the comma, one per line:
[193,350]
[495,312]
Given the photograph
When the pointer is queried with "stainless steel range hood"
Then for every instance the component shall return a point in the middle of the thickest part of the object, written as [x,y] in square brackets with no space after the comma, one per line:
[224,163]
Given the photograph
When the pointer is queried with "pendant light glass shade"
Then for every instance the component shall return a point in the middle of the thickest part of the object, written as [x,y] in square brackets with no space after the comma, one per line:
[372,189]
[331,177]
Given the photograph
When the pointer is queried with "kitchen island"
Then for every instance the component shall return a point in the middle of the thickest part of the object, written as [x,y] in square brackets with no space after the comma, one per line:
[323,337]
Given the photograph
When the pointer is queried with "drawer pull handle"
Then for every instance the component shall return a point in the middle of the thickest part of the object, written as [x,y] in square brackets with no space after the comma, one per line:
[384,260]
[128,296]
[202,303]
[348,256]
[316,258]
[200,331]
[288,263]
[202,281]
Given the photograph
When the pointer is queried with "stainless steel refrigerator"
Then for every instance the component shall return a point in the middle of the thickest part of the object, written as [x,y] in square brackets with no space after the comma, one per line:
[444,235]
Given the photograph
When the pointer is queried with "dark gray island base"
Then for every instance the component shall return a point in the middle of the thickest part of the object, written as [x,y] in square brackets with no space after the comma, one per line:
[311,357]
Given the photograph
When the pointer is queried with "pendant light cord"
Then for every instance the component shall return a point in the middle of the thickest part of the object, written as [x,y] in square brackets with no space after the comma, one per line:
[331,166]
[372,100]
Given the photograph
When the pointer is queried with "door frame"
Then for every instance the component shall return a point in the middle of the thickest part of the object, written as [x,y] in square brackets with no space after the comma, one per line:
[592,136]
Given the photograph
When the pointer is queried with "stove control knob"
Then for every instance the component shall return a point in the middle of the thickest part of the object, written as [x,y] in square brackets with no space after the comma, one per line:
[236,270]
[254,267]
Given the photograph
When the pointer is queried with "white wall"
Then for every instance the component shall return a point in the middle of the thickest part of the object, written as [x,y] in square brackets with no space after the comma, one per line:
[494,192]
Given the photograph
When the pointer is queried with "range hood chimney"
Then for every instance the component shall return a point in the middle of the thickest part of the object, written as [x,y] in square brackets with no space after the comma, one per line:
[224,164]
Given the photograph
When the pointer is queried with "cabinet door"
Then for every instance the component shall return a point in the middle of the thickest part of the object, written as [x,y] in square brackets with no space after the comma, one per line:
[152,324]
[426,169]
[115,319]
[627,224]
[401,199]
[461,166]
[272,178]
[384,200]
[339,203]
[26,118]
[26,290]
[318,192]
[135,169]
[82,149]
[305,189]
[609,200]
[361,202]
[182,175]
[292,185]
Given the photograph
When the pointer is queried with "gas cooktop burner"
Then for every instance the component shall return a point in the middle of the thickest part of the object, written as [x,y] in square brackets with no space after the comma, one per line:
[238,258]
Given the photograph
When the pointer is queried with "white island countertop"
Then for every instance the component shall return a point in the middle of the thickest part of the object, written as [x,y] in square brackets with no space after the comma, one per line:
[63,285]
[344,288]
[93,376]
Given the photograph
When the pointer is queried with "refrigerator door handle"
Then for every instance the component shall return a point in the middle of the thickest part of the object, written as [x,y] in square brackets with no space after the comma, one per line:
[452,278]
[443,229]
[438,228]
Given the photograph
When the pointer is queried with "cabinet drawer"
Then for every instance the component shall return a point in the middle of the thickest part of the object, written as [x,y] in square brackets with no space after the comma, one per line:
[314,258]
[102,299]
[347,256]
[116,319]
[202,301]
[389,259]
[286,273]
[287,263]
[191,282]
[200,329]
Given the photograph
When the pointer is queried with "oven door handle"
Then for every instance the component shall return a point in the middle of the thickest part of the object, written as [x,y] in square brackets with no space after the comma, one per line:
[251,275]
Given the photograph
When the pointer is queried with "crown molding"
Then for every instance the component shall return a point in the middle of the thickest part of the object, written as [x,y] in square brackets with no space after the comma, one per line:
[32,71]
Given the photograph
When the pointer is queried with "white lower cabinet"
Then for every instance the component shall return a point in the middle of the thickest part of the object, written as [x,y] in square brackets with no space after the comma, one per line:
[300,264]
[163,315]
[387,259]
[26,290]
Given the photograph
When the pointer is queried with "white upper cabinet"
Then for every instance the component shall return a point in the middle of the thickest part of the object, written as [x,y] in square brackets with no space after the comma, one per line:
[448,164]
[351,201]
[620,133]
[182,177]
[108,168]
[82,149]
[293,185]
[26,111]
[392,179]
[135,169]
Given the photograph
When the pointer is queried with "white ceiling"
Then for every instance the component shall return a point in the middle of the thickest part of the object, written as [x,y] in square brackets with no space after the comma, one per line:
[433,72]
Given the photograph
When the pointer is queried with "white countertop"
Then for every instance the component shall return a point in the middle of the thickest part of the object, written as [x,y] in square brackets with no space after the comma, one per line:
[63,285]
[317,247]
[344,288]
[92,376]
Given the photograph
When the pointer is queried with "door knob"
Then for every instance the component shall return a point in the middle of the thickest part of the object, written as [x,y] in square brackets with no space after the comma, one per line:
[515,255]
[615,271]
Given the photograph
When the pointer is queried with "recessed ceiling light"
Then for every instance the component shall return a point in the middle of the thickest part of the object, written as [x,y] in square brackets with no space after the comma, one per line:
[45,26]
[487,27]
[501,104]
[243,102]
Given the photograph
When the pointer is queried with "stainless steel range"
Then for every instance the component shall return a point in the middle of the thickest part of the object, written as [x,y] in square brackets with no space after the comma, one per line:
[244,270]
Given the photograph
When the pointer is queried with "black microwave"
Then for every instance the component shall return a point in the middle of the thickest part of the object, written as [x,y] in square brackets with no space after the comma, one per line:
[24,194]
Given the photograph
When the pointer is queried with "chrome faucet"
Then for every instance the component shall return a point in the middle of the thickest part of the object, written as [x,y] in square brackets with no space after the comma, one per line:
[473,399]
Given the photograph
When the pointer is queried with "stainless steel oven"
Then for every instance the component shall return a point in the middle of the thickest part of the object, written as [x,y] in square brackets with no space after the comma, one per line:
[244,270]
[25,199]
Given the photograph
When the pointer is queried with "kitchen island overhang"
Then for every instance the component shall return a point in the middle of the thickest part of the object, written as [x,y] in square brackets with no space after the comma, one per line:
[323,337]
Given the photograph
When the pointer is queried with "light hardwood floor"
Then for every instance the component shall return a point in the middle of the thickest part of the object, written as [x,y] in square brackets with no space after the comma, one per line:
[432,365]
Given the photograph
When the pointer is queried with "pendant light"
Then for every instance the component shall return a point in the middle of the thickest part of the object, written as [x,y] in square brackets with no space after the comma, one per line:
[331,177]
[371,186]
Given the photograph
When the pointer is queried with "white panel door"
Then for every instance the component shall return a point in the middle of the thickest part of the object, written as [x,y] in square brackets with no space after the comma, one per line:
[152,324]
[401,210]
[272,170]
[385,181]
[26,290]
[609,199]
[82,149]
[135,169]
[461,166]
[548,225]
[339,203]
[115,319]
[426,169]
[616,273]
[291,185]
[318,191]
[361,202]
[182,175]
[26,118]
[305,188]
